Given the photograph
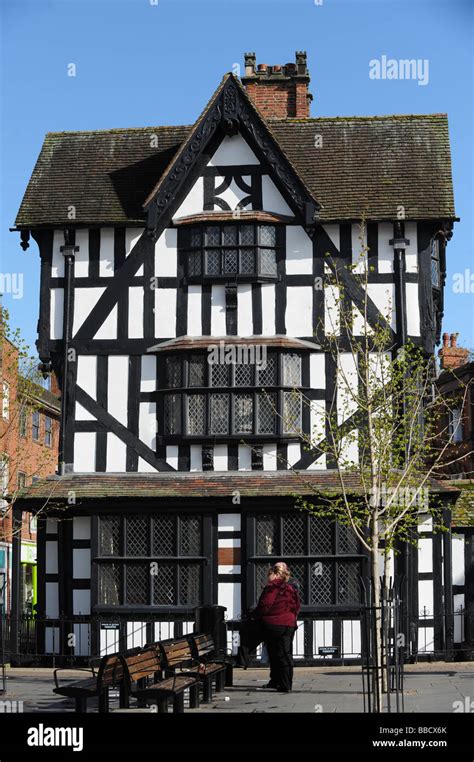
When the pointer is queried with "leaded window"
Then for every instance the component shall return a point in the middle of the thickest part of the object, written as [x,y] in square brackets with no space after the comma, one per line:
[324,556]
[150,560]
[220,251]
[435,263]
[247,393]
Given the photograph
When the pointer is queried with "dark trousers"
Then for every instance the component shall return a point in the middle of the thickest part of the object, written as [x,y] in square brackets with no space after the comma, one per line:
[279,642]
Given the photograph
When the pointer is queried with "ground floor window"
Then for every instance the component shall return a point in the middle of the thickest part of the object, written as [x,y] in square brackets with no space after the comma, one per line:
[150,561]
[324,557]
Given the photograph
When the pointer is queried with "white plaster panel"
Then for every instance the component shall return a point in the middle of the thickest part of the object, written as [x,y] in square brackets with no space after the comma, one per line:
[165,313]
[81,258]
[56,307]
[108,329]
[166,254]
[218,326]
[52,600]
[51,557]
[299,311]
[359,251]
[106,255]
[383,296]
[135,312]
[229,522]
[269,457]
[116,461]
[194,311]
[172,452]
[57,261]
[147,423]
[81,563]
[334,234]
[425,556]
[84,301]
[457,563]
[117,388]
[244,310]
[196,458]
[317,370]
[332,317]
[81,602]
[347,380]
[294,453]
[84,451]
[81,528]
[425,597]
[132,236]
[268,309]
[273,201]
[87,374]
[233,151]
[411,252]
[220,458]
[299,251]
[229,595]
[245,458]
[194,201]
[148,377]
[385,250]
[413,309]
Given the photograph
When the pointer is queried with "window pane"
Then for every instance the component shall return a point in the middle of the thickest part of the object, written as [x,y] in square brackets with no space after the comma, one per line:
[195,237]
[247,261]
[243,413]
[266,413]
[229,235]
[164,585]
[321,535]
[189,584]
[268,264]
[322,583]
[247,235]
[292,412]
[266,531]
[267,235]
[261,578]
[267,375]
[294,535]
[213,262]
[348,587]
[137,537]
[196,423]
[138,576]
[194,263]
[244,375]
[213,236]
[197,367]
[291,370]
[173,372]
[110,584]
[435,274]
[348,542]
[219,413]
[172,413]
[231,261]
[110,536]
[298,572]
[220,374]
[164,536]
[190,536]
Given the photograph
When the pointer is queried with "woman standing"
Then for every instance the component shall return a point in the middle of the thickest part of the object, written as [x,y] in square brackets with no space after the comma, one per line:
[278,609]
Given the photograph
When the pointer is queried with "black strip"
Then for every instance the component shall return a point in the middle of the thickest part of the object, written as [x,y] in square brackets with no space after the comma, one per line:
[280,286]
[80,584]
[119,248]
[181,293]
[232,458]
[101,439]
[184,458]
[257,309]
[94,253]
[231,310]
[149,291]
[282,456]
[121,431]
[134,378]
[206,299]
[229,534]
[345,240]
[44,239]
[373,247]
[229,577]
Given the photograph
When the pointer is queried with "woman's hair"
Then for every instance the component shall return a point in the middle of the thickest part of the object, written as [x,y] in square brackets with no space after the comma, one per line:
[281,570]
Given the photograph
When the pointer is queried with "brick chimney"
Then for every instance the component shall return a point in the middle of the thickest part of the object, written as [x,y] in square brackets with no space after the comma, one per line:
[279,91]
[451,356]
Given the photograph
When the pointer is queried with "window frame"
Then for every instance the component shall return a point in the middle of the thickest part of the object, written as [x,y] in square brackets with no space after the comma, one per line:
[48,431]
[202,250]
[435,260]
[35,426]
[5,400]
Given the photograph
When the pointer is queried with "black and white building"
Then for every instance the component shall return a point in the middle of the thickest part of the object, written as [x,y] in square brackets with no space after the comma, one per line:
[177,477]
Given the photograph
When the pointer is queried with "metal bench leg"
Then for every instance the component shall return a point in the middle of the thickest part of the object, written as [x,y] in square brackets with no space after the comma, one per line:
[163,706]
[207,691]
[81,704]
[194,697]
[220,682]
[124,700]
[104,701]
[178,703]
[229,676]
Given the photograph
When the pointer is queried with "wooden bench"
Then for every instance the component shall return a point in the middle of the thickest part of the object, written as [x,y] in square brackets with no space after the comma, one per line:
[179,658]
[220,668]
[137,673]
[109,675]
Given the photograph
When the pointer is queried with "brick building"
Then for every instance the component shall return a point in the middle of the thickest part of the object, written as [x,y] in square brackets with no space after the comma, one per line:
[29,428]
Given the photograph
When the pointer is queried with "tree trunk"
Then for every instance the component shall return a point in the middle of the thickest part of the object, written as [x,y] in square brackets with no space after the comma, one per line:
[377,633]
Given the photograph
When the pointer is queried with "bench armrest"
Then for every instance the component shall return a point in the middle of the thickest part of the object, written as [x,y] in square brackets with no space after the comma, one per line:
[72,669]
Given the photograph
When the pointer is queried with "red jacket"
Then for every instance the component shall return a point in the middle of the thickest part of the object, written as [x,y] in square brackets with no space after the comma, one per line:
[279,604]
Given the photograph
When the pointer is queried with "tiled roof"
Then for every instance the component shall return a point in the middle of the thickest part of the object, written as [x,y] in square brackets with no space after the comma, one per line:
[463,513]
[195,485]
[366,166]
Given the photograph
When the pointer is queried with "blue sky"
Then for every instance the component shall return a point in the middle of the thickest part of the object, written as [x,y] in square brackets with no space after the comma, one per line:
[140,64]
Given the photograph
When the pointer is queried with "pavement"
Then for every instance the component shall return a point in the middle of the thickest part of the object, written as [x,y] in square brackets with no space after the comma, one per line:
[429,687]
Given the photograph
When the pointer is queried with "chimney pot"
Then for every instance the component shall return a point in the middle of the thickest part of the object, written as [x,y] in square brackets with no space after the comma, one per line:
[445,339]
[454,339]
[279,92]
